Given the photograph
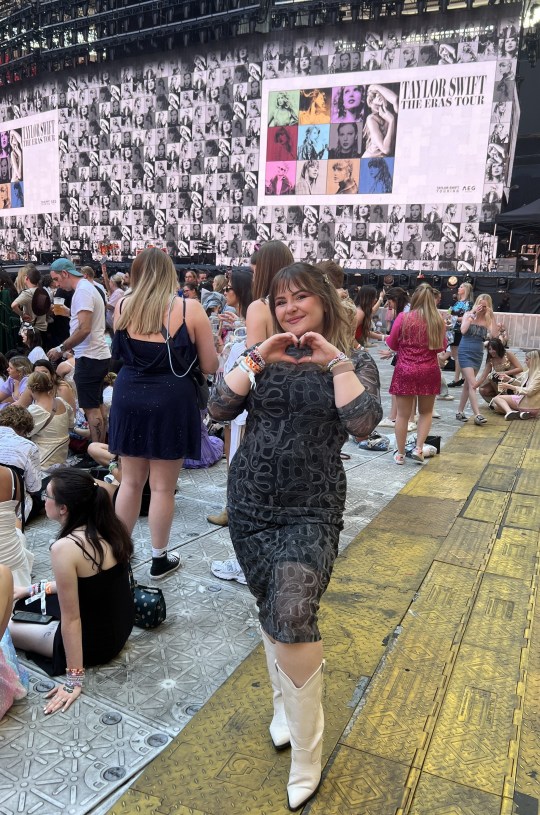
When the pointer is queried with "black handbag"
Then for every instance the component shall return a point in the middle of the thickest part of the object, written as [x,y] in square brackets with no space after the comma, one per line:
[150,607]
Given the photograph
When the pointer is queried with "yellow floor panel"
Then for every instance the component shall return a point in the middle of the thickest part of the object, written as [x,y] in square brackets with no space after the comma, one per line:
[467,543]
[524,512]
[403,698]
[432,605]
[514,554]
[429,483]
[528,482]
[416,515]
[360,784]
[508,456]
[475,726]
[435,796]
[498,477]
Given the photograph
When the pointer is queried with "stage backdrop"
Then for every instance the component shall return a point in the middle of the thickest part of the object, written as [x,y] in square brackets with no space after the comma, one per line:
[380,145]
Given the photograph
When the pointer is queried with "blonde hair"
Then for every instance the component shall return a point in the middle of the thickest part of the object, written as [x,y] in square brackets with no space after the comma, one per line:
[485,298]
[219,282]
[468,288]
[423,305]
[155,283]
[533,374]
[40,382]
[337,327]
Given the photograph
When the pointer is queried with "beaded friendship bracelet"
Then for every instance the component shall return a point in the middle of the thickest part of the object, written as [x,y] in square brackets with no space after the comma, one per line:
[341,357]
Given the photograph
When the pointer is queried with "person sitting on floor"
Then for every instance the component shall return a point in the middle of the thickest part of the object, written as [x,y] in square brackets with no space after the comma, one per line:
[19,369]
[20,454]
[90,599]
[524,401]
[53,419]
[13,679]
[13,551]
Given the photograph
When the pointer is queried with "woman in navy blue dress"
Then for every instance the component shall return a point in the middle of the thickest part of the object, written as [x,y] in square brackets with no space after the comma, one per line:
[155,419]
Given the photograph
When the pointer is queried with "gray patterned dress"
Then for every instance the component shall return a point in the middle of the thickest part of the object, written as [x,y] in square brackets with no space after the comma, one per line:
[287,486]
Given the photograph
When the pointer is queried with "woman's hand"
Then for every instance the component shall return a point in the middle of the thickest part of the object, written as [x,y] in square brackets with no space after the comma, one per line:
[273,349]
[388,354]
[322,350]
[20,593]
[227,319]
[504,377]
[61,698]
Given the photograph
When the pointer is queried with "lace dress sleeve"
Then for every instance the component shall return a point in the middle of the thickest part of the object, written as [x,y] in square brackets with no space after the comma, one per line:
[224,404]
[364,413]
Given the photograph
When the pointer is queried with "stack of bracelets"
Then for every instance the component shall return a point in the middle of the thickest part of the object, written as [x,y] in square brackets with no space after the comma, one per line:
[252,364]
[74,679]
[38,588]
[339,360]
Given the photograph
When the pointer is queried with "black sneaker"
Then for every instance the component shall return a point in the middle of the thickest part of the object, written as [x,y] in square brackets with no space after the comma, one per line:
[164,565]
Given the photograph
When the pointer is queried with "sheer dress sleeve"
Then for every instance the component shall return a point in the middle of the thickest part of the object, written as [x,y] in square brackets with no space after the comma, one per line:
[364,413]
[224,404]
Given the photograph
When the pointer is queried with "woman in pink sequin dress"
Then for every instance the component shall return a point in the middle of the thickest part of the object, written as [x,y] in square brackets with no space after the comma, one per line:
[417,337]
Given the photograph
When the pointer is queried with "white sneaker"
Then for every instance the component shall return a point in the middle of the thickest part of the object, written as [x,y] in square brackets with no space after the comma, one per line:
[436,415]
[411,426]
[387,423]
[228,570]
[446,398]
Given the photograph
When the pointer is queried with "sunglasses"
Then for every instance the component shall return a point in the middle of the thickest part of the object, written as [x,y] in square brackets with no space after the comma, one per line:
[226,289]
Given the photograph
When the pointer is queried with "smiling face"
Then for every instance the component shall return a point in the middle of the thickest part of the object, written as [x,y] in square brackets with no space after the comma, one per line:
[299,311]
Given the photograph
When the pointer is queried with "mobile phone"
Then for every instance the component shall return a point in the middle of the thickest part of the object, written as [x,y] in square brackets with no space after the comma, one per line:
[31,617]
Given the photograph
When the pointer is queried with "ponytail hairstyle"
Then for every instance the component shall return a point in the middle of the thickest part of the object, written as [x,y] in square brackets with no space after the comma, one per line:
[89,506]
[423,306]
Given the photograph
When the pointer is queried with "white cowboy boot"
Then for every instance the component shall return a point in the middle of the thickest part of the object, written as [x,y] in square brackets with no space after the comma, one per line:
[279,729]
[305,717]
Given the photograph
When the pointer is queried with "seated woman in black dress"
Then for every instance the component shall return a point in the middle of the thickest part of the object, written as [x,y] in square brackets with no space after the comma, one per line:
[90,598]
[287,486]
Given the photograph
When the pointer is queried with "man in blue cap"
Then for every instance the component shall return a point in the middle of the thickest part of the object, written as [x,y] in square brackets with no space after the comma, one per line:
[86,340]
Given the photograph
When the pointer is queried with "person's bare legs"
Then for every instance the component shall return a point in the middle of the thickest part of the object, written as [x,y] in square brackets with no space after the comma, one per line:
[96,425]
[163,480]
[33,637]
[6,597]
[100,453]
[454,355]
[425,410]
[128,501]
[503,404]
[469,375]
[404,406]
[299,660]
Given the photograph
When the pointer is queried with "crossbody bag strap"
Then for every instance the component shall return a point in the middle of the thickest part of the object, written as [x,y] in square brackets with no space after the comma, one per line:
[51,415]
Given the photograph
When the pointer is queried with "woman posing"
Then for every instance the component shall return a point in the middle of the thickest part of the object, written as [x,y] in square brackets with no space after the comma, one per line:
[498,361]
[460,307]
[90,597]
[380,127]
[475,327]
[417,337]
[524,402]
[287,490]
[155,421]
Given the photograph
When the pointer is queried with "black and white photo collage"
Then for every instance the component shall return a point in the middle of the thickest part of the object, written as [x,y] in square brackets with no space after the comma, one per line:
[165,151]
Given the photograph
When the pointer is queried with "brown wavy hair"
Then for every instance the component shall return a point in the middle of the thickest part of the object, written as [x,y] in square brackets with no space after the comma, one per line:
[303,276]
